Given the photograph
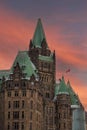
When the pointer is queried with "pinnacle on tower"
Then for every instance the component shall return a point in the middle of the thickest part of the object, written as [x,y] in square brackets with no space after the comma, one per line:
[39,35]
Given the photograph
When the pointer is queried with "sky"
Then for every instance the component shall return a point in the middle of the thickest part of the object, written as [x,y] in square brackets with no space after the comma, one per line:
[65,26]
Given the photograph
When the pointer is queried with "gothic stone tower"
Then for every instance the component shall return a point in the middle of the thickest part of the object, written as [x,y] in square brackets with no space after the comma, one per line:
[44,59]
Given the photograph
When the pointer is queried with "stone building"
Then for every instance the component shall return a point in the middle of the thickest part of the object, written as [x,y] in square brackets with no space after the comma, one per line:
[30,98]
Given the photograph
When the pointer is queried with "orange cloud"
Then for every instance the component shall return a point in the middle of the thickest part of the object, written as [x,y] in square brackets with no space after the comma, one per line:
[15,33]
[65,50]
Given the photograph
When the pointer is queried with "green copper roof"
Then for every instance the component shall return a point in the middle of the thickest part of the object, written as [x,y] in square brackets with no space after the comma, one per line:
[4,73]
[25,63]
[39,34]
[46,58]
[57,85]
[62,87]
[74,97]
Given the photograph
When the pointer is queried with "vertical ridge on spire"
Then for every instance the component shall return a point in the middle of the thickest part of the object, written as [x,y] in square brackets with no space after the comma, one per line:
[39,34]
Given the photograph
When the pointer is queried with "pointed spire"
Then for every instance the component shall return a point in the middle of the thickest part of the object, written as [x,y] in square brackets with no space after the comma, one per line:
[39,34]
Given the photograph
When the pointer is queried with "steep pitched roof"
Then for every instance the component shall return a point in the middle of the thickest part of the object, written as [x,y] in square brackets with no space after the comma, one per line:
[63,87]
[25,64]
[39,34]
[74,98]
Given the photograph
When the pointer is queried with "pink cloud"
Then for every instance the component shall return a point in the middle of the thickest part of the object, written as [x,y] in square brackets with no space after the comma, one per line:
[15,33]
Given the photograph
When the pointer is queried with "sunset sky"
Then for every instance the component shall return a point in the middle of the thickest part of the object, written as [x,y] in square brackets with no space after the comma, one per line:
[65,25]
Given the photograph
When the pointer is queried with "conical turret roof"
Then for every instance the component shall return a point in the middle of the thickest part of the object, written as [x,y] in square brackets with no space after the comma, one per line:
[63,87]
[39,34]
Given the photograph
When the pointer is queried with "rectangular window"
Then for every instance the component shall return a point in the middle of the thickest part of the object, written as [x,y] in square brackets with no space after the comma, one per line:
[30,115]
[22,114]
[9,104]
[50,121]
[23,93]
[64,125]
[23,103]
[31,104]
[59,115]
[16,93]
[30,126]
[9,93]
[59,125]
[47,95]
[22,126]
[15,104]
[8,126]
[15,125]
[16,115]
[8,115]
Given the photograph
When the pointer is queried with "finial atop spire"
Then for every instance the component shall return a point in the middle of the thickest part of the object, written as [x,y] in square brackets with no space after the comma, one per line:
[39,34]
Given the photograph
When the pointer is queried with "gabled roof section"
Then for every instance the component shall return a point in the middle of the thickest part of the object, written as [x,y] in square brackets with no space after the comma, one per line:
[25,64]
[39,34]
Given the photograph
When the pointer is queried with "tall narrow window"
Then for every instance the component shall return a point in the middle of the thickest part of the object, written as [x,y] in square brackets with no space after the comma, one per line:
[64,125]
[30,126]
[23,103]
[8,126]
[31,115]
[22,126]
[22,114]
[9,104]
[31,104]
[8,115]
